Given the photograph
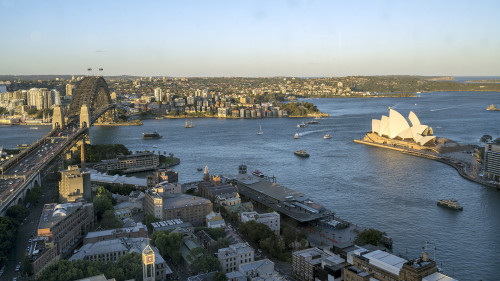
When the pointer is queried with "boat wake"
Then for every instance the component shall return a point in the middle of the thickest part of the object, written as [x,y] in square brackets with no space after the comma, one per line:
[444,108]
[312,132]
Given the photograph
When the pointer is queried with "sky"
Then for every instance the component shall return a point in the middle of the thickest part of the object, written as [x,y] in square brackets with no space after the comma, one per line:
[250,38]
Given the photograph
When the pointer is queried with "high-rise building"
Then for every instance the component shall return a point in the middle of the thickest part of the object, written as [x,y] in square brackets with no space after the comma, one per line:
[167,206]
[69,89]
[74,184]
[56,97]
[40,98]
[158,94]
[492,161]
[231,257]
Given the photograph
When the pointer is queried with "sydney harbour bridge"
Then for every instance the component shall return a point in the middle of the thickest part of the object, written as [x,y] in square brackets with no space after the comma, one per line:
[91,103]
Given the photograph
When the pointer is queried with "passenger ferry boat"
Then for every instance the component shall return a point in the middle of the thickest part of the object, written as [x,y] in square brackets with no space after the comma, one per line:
[301,153]
[153,135]
[450,203]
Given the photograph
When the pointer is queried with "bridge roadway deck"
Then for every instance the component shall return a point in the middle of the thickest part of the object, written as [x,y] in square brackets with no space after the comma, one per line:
[18,175]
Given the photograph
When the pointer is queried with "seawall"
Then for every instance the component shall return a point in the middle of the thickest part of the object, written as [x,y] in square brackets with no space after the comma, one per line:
[458,165]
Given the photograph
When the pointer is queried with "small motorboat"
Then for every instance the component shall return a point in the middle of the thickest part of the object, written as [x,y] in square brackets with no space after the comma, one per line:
[296,136]
[301,153]
[327,136]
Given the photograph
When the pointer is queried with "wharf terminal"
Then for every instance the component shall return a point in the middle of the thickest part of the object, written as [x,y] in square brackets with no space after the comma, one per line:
[265,192]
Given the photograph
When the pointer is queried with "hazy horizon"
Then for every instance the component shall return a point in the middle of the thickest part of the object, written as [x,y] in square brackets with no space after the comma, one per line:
[251,38]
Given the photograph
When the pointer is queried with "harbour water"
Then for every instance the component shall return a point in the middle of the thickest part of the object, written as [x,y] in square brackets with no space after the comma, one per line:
[369,186]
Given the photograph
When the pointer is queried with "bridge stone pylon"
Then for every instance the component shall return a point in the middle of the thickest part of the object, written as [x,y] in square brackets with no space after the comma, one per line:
[57,118]
[85,120]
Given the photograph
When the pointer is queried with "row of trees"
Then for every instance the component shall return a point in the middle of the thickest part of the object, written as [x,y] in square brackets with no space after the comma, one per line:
[169,245]
[103,209]
[8,229]
[272,244]
[129,266]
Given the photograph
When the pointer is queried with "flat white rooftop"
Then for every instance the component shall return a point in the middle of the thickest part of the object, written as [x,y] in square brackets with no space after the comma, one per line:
[386,261]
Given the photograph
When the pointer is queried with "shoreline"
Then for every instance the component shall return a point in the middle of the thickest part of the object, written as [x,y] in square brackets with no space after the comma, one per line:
[457,164]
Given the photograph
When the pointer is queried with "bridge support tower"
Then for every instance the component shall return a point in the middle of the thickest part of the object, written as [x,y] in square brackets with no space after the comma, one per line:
[85,117]
[57,118]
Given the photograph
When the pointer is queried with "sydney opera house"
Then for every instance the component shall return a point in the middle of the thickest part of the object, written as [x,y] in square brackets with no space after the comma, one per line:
[396,130]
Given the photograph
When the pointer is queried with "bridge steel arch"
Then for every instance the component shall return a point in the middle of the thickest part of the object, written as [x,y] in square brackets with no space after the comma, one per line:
[91,91]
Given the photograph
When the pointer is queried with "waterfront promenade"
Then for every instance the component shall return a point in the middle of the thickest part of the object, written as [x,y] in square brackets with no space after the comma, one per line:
[463,161]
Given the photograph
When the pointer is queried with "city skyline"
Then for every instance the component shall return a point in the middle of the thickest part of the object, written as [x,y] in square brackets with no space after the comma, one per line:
[256,39]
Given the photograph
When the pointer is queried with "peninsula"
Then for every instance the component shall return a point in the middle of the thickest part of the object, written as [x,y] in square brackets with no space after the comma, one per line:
[394,132]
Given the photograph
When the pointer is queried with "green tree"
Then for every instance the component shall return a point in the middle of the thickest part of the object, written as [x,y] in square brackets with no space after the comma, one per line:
[219,244]
[219,276]
[289,235]
[7,237]
[109,220]
[101,205]
[255,231]
[203,261]
[168,244]
[369,236]
[26,265]
[148,220]
[486,138]
[17,213]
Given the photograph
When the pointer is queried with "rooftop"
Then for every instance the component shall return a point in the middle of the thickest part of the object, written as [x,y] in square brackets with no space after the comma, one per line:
[358,271]
[173,201]
[312,255]
[386,261]
[436,276]
[108,232]
[280,198]
[115,245]
[239,248]
[53,213]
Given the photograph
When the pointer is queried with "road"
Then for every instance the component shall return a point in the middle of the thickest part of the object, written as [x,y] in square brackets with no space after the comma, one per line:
[14,177]
[25,231]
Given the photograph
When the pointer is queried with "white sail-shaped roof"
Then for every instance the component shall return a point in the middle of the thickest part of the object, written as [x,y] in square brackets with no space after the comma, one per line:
[406,134]
[375,126]
[397,126]
[384,126]
[397,123]
[427,139]
[413,119]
